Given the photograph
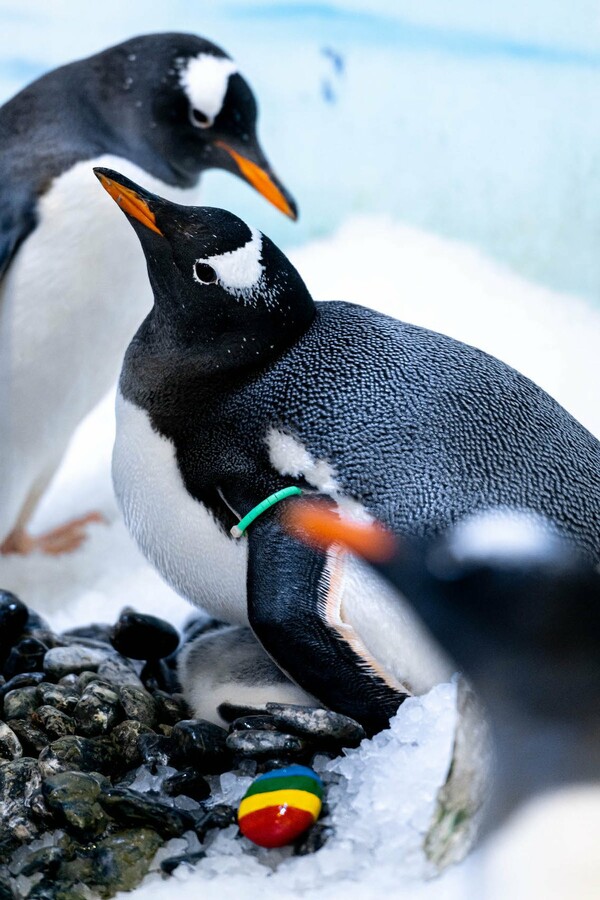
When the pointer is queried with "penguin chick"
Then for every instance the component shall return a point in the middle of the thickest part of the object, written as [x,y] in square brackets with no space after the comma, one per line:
[161,107]
[228,668]
[519,609]
[238,384]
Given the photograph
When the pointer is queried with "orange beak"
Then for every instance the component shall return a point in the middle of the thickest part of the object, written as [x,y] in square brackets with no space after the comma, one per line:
[318,526]
[260,180]
[130,202]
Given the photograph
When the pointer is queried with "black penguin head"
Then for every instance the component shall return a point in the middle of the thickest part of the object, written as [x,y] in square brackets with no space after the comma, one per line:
[180,106]
[223,292]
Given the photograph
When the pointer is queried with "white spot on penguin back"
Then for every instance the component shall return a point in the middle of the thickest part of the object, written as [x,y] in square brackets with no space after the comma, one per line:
[503,536]
[289,456]
[239,271]
[205,78]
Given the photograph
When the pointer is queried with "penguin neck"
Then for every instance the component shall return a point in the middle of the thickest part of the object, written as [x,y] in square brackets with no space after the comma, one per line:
[166,360]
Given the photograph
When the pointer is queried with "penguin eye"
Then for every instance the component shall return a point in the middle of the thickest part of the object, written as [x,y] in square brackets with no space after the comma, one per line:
[200,119]
[204,274]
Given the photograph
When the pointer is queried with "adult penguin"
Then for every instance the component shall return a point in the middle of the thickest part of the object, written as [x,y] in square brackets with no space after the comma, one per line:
[238,385]
[161,107]
[519,610]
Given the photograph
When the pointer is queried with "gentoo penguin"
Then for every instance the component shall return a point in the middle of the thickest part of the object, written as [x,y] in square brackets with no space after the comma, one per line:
[238,385]
[518,608]
[161,107]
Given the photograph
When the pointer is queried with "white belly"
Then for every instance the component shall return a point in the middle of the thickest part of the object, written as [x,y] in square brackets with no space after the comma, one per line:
[69,305]
[177,534]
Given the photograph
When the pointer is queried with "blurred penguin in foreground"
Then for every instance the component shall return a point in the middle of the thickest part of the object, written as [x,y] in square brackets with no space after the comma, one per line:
[519,610]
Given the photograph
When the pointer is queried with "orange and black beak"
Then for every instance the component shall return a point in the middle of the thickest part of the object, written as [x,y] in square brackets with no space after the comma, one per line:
[262,178]
[130,199]
[319,526]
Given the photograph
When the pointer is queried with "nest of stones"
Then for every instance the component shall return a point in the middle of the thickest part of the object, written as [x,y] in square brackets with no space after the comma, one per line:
[102,763]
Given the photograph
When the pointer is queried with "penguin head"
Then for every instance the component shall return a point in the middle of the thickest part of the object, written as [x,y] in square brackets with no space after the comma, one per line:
[221,288]
[181,106]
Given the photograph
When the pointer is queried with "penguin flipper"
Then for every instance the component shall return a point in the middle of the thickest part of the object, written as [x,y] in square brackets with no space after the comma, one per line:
[294,600]
[17,221]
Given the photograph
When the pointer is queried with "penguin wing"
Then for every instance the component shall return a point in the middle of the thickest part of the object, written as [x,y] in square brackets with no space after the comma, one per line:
[294,603]
[17,220]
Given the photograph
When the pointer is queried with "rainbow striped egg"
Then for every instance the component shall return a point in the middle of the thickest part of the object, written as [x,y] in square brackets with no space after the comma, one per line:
[280,805]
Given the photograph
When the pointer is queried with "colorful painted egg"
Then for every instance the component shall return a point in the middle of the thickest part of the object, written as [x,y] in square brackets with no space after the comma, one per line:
[279,806]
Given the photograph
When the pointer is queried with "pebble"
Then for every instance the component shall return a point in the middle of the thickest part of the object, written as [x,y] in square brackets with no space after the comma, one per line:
[20,703]
[78,753]
[20,799]
[33,739]
[72,796]
[75,658]
[59,696]
[10,746]
[98,709]
[96,632]
[131,808]
[126,737]
[55,723]
[138,704]
[156,750]
[25,679]
[13,618]
[139,636]
[253,723]
[317,723]
[118,672]
[187,782]
[257,744]
[202,745]
[26,656]
[170,708]
[280,806]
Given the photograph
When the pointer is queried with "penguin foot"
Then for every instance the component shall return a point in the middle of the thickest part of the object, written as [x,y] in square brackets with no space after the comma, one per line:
[64,539]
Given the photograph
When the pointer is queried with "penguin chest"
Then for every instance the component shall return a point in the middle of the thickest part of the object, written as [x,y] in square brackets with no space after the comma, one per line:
[179,535]
[71,301]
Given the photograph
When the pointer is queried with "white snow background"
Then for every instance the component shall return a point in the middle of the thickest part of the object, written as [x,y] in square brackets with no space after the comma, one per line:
[446,123]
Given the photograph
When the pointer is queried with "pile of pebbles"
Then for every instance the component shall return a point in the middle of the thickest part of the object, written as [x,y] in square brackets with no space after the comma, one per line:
[102,765]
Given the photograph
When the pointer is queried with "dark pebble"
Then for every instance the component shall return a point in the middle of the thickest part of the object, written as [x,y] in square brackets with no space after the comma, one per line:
[59,696]
[317,723]
[20,798]
[118,862]
[78,753]
[202,745]
[170,708]
[6,891]
[126,741]
[25,679]
[72,797]
[187,782]
[118,671]
[156,750]
[26,656]
[315,838]
[33,739]
[131,808]
[20,703]
[229,712]
[13,618]
[138,704]
[55,723]
[169,865]
[219,816]
[140,636]
[46,860]
[257,744]
[10,746]
[98,710]
[253,723]
[157,675]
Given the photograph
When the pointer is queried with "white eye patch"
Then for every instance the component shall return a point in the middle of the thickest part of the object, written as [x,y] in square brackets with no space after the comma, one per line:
[239,271]
[204,78]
